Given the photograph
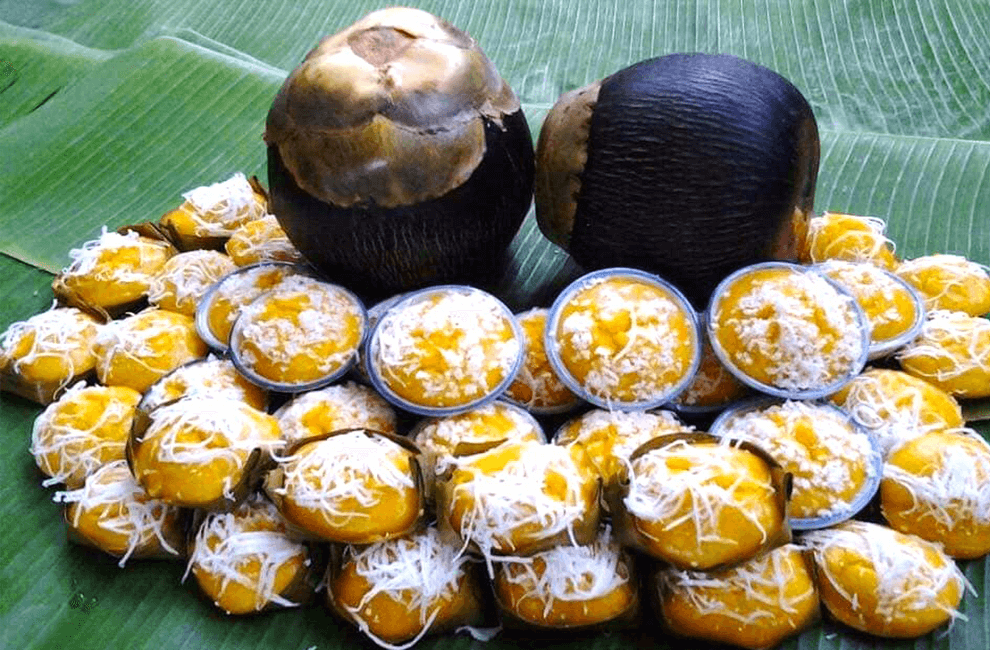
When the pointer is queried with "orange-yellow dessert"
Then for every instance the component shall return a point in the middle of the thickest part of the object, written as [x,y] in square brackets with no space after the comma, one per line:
[445,349]
[713,386]
[355,487]
[952,352]
[894,406]
[537,387]
[200,452]
[623,339]
[140,349]
[87,427]
[837,236]
[41,356]
[209,376]
[755,605]
[519,498]
[261,240]
[788,330]
[610,437]
[219,308]
[302,333]
[882,582]
[700,504]
[949,282]
[112,272]
[834,466]
[341,406]
[246,561]
[892,307]
[568,586]
[211,213]
[937,486]
[113,513]
[185,278]
[399,590]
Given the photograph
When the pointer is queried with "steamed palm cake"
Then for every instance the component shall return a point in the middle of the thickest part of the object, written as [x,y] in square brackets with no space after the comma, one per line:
[937,486]
[949,282]
[215,211]
[952,352]
[891,307]
[261,240]
[624,339]
[300,332]
[220,307]
[185,277]
[787,329]
[445,347]
[834,466]
[537,387]
[245,560]
[703,504]
[569,586]
[883,582]
[837,236]
[341,406]
[756,604]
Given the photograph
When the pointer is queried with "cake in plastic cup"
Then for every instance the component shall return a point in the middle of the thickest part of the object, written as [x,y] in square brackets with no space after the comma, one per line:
[623,339]
[537,388]
[217,310]
[301,335]
[444,350]
[787,331]
[835,466]
[893,308]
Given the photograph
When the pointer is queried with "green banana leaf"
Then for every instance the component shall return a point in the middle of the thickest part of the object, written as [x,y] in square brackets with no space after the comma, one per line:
[110,109]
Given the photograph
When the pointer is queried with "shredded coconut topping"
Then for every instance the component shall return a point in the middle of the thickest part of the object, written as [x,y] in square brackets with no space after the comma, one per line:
[949,282]
[186,277]
[210,377]
[888,304]
[222,207]
[261,240]
[62,334]
[342,406]
[125,509]
[952,346]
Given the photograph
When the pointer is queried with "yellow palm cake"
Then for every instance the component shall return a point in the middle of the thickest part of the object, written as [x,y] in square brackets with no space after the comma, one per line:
[894,406]
[698,503]
[949,282]
[568,586]
[200,452]
[41,356]
[87,427]
[835,467]
[399,590]
[837,236]
[756,604]
[355,487]
[261,240]
[952,352]
[185,278]
[787,330]
[113,513]
[210,213]
[937,486]
[445,350]
[341,406]
[713,387]
[302,334]
[140,349]
[246,561]
[623,339]
[209,376]
[537,387]
[882,582]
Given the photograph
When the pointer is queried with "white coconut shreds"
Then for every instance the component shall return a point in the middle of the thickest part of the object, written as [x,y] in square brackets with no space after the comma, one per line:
[340,475]
[211,376]
[807,332]
[649,362]
[658,493]
[261,240]
[819,446]
[763,582]
[64,334]
[570,573]
[503,502]
[325,313]
[140,338]
[79,446]
[187,276]
[952,343]
[878,293]
[489,423]
[221,207]
[626,430]
[958,487]
[958,279]
[420,571]
[342,406]
[128,510]
[86,261]
[905,579]
[477,338]
[254,533]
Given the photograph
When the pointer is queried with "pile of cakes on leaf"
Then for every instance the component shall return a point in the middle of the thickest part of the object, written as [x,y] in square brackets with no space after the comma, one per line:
[305,394]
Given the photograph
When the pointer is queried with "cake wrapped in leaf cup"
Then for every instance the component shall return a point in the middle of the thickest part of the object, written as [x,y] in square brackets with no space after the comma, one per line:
[209,214]
[398,157]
